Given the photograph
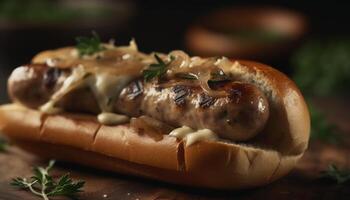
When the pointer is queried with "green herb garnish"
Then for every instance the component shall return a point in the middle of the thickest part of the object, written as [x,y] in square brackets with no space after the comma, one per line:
[43,185]
[341,176]
[89,45]
[3,145]
[156,70]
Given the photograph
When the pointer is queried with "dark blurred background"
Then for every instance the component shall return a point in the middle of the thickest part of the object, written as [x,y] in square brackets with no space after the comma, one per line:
[27,27]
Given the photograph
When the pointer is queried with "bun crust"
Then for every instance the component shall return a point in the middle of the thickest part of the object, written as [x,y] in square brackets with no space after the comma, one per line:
[212,164]
[288,127]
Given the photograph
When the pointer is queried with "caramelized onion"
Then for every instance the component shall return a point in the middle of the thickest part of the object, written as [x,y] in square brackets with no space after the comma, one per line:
[201,71]
[203,79]
[181,59]
[196,61]
[172,83]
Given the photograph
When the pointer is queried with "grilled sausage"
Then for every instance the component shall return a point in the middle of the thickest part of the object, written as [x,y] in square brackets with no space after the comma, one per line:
[242,111]
[32,85]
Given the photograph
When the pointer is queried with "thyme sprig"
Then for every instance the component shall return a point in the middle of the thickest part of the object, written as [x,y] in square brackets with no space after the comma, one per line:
[156,70]
[340,176]
[89,45]
[43,185]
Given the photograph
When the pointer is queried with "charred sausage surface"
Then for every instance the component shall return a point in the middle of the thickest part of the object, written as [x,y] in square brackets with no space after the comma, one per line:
[242,111]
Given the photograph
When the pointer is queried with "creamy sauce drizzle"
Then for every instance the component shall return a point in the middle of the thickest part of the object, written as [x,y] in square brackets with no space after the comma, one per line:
[191,137]
[107,72]
[105,87]
[108,118]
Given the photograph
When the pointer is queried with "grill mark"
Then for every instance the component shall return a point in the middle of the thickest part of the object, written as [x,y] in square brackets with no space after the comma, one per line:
[135,89]
[206,101]
[181,92]
[51,76]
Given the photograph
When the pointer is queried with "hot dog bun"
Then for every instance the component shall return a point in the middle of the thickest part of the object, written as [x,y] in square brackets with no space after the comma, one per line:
[213,164]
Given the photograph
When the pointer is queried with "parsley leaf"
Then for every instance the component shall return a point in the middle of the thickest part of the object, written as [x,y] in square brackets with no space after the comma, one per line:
[89,45]
[156,69]
[43,185]
[341,176]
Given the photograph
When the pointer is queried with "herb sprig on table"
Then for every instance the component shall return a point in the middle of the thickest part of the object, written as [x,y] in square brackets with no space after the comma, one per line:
[340,176]
[44,185]
[89,45]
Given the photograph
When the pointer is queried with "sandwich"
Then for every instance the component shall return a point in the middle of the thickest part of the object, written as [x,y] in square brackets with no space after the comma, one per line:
[211,122]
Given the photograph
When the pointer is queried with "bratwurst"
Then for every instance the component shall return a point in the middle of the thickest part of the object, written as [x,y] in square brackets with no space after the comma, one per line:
[238,113]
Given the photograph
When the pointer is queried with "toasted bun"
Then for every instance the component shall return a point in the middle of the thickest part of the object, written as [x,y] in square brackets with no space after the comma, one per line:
[212,164]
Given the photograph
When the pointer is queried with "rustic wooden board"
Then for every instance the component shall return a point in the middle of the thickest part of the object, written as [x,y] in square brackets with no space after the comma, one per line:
[302,183]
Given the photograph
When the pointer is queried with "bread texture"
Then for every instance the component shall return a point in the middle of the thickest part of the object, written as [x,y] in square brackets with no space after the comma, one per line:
[212,164]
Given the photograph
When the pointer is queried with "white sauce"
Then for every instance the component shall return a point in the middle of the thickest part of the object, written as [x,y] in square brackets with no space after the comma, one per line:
[106,73]
[181,132]
[49,108]
[73,81]
[191,137]
[107,87]
[108,118]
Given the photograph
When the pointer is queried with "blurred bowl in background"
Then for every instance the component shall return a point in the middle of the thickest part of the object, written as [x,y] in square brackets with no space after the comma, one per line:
[260,33]
[27,27]
[16,14]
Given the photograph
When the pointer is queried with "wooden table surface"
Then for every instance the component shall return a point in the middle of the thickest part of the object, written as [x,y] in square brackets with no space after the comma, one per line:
[304,182]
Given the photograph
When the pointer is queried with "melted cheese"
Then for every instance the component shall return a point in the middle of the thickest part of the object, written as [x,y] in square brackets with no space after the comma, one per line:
[75,80]
[107,72]
[108,118]
[191,137]
[49,108]
[107,88]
